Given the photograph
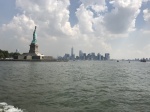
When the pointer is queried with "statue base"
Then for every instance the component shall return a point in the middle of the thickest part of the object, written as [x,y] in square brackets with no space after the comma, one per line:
[33,49]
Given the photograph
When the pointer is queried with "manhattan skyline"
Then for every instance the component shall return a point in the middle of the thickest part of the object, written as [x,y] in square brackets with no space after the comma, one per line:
[84,56]
[119,27]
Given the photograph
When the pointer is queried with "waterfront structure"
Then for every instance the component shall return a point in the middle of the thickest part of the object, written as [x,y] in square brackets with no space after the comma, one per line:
[84,56]
[72,52]
[92,56]
[98,56]
[72,57]
[66,57]
[102,57]
[80,55]
[107,56]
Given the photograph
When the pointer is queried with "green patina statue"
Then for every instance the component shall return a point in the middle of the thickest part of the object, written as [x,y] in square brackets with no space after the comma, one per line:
[34,41]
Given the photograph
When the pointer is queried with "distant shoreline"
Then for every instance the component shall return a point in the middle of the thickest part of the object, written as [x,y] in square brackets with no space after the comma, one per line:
[33,60]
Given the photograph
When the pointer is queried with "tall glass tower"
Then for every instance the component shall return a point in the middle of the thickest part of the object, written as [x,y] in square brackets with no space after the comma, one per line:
[72,51]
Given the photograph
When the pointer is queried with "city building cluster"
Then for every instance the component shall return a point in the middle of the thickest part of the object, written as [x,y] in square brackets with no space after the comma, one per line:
[84,56]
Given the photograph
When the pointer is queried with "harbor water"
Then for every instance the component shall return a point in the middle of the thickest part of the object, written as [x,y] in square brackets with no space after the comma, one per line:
[76,86]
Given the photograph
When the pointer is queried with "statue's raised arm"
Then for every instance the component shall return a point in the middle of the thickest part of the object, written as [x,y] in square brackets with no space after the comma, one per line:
[34,30]
[34,36]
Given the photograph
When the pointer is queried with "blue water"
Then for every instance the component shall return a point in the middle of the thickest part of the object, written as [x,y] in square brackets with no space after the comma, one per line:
[78,86]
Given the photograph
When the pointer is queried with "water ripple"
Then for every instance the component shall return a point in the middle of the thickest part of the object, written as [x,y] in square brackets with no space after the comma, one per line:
[76,86]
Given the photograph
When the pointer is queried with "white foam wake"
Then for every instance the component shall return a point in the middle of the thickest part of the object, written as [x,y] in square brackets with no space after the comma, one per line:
[4,107]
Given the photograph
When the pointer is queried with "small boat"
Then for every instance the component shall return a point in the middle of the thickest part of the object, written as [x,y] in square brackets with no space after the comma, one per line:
[117,60]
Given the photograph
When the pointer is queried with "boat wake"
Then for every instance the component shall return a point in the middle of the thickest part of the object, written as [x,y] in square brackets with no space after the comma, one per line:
[4,107]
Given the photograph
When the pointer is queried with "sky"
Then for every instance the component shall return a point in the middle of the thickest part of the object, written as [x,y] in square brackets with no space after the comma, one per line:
[118,27]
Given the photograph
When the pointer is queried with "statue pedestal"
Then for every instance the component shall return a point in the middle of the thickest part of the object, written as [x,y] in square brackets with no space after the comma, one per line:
[33,48]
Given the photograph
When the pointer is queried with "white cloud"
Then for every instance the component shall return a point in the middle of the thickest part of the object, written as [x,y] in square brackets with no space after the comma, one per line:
[96,5]
[122,18]
[51,15]
[85,20]
[145,0]
[146,15]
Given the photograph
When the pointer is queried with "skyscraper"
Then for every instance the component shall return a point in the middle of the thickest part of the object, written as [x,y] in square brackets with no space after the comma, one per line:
[80,55]
[72,57]
[98,56]
[72,52]
[107,56]
[92,56]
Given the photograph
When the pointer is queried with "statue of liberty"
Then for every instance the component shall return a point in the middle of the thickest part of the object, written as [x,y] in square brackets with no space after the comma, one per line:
[34,41]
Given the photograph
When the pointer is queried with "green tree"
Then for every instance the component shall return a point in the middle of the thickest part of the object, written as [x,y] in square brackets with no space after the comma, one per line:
[16,54]
[11,55]
[6,54]
[1,55]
